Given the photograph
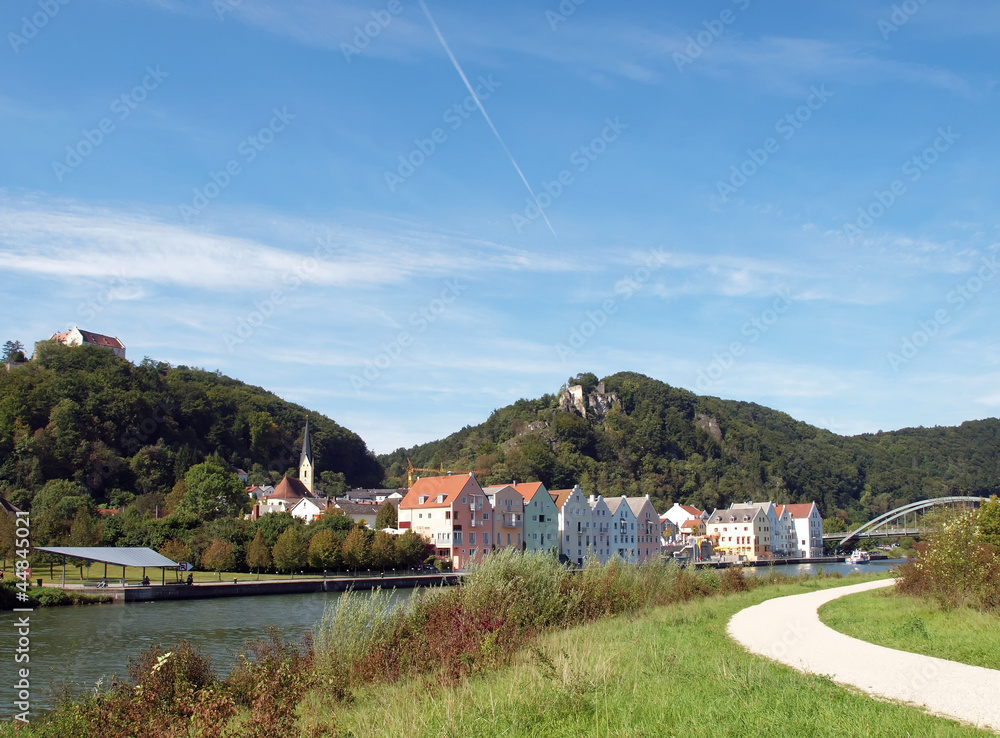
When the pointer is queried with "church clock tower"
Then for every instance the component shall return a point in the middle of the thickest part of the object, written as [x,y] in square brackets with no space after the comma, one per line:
[306,470]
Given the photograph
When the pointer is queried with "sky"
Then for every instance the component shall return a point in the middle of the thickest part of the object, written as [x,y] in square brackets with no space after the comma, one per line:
[407,214]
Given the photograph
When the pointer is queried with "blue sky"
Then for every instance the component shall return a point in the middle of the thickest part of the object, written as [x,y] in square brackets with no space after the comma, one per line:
[788,203]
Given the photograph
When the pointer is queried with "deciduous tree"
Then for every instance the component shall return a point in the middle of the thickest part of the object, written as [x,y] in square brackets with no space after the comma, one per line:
[290,551]
[218,557]
[357,548]
[324,550]
[259,553]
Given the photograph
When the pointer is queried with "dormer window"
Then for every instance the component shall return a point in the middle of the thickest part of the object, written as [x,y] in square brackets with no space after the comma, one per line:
[422,499]
[440,499]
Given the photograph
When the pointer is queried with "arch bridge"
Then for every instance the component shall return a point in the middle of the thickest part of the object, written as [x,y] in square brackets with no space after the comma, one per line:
[903,521]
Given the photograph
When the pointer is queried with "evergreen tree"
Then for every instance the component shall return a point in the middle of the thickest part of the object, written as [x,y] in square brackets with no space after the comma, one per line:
[387,516]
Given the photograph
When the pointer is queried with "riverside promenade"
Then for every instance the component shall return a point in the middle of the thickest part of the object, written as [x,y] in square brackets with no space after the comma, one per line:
[788,630]
[253,588]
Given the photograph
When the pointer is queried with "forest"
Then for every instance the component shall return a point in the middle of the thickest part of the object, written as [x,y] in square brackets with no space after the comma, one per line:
[677,446]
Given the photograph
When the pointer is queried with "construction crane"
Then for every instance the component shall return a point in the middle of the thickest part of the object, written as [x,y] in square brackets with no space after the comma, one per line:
[410,469]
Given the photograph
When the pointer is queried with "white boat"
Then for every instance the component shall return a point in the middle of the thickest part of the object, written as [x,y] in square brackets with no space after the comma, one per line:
[859,557]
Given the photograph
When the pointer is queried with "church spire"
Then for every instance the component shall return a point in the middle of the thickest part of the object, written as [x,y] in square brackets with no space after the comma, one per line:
[306,471]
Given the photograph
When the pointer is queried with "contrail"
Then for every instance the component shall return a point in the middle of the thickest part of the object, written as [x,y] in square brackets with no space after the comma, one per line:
[482,110]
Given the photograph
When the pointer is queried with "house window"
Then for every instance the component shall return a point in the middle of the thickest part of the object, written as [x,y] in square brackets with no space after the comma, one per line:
[463,500]
[534,518]
[447,514]
[420,515]
[472,538]
[422,499]
[440,499]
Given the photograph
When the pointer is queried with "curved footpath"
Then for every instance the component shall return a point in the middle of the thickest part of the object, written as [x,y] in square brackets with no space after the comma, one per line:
[788,630]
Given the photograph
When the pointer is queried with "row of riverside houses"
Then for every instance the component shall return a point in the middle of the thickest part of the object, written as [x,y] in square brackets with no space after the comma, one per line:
[464,522]
[751,530]
[763,530]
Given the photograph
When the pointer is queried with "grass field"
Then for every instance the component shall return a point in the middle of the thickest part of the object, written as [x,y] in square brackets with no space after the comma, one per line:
[912,624]
[665,672]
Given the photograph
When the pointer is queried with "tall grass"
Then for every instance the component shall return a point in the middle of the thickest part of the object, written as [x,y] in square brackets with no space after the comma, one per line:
[502,605]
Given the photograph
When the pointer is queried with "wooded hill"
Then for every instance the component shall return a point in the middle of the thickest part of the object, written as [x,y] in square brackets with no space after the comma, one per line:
[118,429]
[642,436]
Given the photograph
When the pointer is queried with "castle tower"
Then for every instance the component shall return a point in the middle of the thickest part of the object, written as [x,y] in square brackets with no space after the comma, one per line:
[306,470]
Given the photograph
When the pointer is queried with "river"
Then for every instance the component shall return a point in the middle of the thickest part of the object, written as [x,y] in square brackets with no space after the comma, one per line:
[79,647]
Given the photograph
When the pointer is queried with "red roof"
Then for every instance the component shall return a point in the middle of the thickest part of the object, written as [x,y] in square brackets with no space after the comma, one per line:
[95,339]
[559,496]
[430,488]
[289,488]
[691,523]
[800,511]
[691,510]
[528,489]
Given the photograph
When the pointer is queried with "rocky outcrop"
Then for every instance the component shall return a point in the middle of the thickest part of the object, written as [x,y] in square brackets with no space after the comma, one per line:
[597,404]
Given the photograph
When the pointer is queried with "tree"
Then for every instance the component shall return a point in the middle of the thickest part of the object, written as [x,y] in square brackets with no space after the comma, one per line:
[219,557]
[259,553]
[83,531]
[387,516]
[176,550]
[988,522]
[290,551]
[13,352]
[357,549]
[213,492]
[7,529]
[324,550]
[411,549]
[383,553]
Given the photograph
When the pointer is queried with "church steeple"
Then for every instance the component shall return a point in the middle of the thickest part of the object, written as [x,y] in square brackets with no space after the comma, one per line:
[306,470]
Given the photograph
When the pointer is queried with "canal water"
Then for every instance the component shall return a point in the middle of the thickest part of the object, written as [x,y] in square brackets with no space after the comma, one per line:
[81,647]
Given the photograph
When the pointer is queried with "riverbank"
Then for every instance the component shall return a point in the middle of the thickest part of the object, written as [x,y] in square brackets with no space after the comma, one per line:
[666,671]
[252,588]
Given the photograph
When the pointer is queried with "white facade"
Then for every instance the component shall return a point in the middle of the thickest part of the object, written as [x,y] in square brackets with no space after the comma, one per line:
[574,523]
[623,529]
[808,526]
[600,528]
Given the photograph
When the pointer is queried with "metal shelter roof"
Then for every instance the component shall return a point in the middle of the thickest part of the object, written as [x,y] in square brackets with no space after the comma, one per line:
[134,556]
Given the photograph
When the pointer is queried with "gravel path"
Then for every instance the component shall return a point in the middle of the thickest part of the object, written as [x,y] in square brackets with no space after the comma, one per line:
[788,629]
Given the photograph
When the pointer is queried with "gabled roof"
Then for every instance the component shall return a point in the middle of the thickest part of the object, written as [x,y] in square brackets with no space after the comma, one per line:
[559,496]
[321,503]
[800,511]
[614,503]
[451,486]
[693,523]
[289,488]
[692,510]
[737,513]
[357,508]
[637,503]
[528,490]
[89,337]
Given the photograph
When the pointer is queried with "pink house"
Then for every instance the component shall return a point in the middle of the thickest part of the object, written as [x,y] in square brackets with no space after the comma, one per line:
[451,513]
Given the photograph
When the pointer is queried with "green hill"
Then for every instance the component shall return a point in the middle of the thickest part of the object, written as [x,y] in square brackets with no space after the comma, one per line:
[642,436]
[119,429]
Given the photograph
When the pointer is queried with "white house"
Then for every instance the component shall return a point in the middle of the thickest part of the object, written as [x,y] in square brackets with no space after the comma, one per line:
[78,337]
[310,508]
[574,523]
[600,528]
[677,516]
[741,531]
[647,528]
[623,528]
[808,525]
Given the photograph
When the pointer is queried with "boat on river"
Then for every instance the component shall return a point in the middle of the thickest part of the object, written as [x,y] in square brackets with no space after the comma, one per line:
[859,557]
